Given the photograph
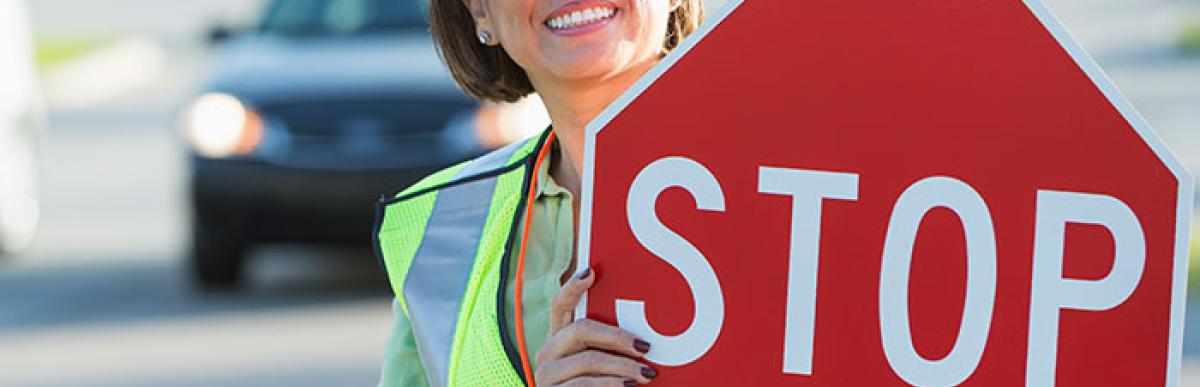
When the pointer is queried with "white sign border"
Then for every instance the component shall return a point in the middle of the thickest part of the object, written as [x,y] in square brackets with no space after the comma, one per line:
[1186,182]
[1065,40]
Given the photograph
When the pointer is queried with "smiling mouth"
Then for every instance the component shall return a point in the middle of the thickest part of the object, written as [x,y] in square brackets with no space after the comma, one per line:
[581,18]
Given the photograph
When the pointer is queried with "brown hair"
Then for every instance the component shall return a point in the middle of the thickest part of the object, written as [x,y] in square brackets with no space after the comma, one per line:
[488,73]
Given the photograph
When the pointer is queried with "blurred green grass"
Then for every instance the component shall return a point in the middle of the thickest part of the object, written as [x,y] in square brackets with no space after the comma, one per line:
[1189,36]
[1194,262]
[50,52]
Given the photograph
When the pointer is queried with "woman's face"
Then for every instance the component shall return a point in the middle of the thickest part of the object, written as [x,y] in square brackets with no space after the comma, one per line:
[576,40]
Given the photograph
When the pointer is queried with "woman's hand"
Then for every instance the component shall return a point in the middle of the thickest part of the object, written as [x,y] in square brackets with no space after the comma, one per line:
[588,353]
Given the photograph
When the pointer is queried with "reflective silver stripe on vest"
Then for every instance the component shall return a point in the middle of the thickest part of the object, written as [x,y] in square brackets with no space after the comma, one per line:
[441,268]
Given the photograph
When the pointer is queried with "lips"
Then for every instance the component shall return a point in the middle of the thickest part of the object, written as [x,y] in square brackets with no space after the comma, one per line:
[576,16]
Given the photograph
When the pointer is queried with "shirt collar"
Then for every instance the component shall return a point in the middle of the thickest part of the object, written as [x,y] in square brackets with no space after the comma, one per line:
[547,187]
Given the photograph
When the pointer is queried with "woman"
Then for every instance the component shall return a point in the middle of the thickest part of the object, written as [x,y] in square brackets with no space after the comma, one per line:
[463,246]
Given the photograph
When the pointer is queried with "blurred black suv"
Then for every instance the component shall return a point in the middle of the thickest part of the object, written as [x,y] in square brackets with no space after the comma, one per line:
[308,119]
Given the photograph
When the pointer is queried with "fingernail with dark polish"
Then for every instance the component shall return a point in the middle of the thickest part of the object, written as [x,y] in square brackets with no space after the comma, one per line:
[649,373]
[641,345]
[630,383]
[585,274]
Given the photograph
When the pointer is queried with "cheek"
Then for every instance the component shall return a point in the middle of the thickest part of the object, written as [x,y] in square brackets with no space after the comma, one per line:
[650,30]
[512,20]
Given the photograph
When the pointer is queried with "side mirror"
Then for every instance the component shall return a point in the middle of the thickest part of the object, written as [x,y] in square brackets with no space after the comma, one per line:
[219,34]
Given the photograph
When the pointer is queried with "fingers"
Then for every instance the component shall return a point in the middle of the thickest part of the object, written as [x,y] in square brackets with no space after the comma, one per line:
[587,334]
[562,308]
[600,381]
[587,353]
[595,363]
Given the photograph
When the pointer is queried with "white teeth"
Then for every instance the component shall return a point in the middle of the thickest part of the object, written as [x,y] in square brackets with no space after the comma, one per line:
[580,18]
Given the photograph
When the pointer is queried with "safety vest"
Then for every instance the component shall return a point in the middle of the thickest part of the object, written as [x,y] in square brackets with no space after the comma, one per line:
[446,245]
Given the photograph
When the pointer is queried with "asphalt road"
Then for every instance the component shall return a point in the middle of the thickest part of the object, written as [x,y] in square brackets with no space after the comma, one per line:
[102,299]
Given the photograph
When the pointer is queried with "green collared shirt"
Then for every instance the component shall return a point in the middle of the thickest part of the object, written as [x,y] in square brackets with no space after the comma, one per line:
[547,258]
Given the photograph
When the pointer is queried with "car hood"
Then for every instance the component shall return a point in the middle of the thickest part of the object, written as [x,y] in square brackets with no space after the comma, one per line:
[268,69]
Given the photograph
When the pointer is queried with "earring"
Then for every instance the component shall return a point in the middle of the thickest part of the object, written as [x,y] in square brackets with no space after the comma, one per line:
[485,38]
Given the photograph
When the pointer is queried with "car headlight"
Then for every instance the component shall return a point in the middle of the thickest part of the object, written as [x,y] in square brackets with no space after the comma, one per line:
[220,125]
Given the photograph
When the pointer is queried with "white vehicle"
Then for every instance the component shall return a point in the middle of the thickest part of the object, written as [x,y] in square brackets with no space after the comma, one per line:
[21,125]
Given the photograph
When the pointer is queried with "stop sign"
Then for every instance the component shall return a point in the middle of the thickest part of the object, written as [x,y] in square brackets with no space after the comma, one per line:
[880,192]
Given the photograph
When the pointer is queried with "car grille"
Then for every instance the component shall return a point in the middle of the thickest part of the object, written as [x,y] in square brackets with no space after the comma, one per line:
[372,117]
[356,134]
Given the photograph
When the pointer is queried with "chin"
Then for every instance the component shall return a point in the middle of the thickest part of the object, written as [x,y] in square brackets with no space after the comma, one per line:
[591,64]
[601,44]
[600,67]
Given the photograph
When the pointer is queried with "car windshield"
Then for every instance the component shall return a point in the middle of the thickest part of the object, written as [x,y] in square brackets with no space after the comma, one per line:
[343,17]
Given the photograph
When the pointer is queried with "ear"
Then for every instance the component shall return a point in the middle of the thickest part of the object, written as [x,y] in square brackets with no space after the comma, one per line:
[477,8]
[479,12]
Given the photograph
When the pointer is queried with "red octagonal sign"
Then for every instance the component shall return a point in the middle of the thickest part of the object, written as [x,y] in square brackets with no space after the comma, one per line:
[881,192]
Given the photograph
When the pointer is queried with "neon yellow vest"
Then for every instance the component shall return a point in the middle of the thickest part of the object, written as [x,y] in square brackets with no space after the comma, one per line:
[445,243]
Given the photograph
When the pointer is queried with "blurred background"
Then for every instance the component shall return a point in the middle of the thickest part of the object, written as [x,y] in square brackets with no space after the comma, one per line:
[161,160]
